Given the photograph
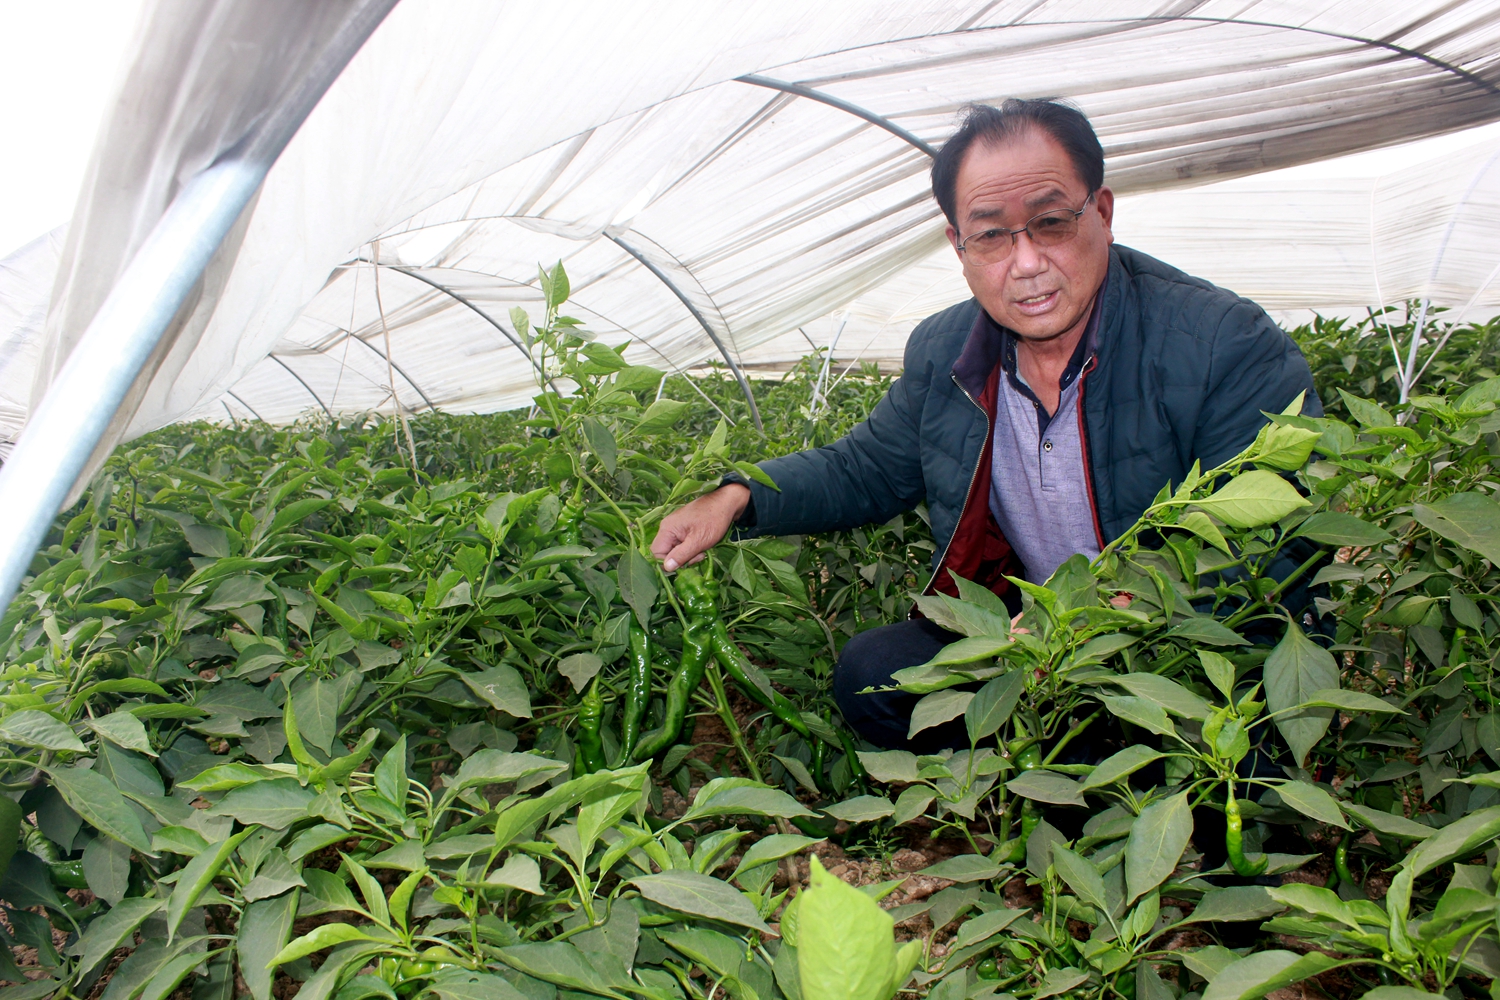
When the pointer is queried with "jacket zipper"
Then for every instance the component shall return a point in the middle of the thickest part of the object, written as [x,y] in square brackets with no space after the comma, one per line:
[1083,441]
[989,430]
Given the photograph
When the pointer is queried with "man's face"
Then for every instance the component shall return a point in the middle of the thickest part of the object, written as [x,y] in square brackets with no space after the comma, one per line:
[1039,292]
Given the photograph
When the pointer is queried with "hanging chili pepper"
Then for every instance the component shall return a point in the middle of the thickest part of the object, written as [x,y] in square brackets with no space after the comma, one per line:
[637,690]
[1234,840]
[697,647]
[855,767]
[590,743]
[569,527]
[817,764]
[1341,870]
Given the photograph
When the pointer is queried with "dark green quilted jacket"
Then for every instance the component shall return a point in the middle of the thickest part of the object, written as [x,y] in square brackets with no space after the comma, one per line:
[1182,372]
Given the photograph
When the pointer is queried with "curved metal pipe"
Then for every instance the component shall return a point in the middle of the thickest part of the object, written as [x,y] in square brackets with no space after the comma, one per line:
[836,102]
[246,405]
[477,311]
[409,380]
[303,383]
[702,321]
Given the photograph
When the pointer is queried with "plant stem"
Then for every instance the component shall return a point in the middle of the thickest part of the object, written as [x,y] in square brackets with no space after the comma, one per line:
[721,701]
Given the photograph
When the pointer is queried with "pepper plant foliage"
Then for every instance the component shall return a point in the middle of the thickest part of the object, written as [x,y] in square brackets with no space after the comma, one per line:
[388,716]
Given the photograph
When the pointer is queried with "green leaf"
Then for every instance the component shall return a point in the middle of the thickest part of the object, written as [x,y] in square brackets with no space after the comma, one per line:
[1199,524]
[638,584]
[224,777]
[106,867]
[772,848]
[1334,528]
[1351,701]
[125,730]
[198,876]
[1047,786]
[1264,971]
[558,554]
[600,439]
[967,651]
[992,705]
[275,804]
[466,985]
[964,868]
[1206,630]
[861,809]
[1388,823]
[1138,711]
[111,929]
[519,872]
[324,936]
[1220,671]
[561,963]
[937,708]
[263,931]
[1468,519]
[1157,839]
[1367,413]
[700,896]
[1400,993]
[889,766]
[91,796]
[501,687]
[1310,800]
[1120,765]
[660,416]
[1286,446]
[1253,499]
[1081,876]
[845,945]
[579,669]
[336,967]
[1170,695]
[742,797]
[33,728]
[1297,669]
[1237,902]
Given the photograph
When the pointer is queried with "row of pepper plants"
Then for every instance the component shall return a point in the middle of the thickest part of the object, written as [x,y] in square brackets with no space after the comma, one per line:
[362,710]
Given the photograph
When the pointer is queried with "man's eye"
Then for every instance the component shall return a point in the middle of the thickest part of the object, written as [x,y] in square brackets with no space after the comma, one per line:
[1047,222]
[987,238]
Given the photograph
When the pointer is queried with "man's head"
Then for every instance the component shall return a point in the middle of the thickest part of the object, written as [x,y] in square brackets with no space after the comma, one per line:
[1005,167]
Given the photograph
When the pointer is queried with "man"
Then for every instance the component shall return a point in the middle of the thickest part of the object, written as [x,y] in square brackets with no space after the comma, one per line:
[1038,419]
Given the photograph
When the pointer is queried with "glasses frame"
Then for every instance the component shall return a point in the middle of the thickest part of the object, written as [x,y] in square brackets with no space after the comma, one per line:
[1014,234]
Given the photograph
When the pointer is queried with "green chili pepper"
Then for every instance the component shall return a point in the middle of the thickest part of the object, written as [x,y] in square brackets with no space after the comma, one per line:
[590,743]
[1341,869]
[818,764]
[1234,840]
[569,527]
[987,969]
[637,690]
[1029,759]
[1031,818]
[68,874]
[697,646]
[855,767]
[735,665]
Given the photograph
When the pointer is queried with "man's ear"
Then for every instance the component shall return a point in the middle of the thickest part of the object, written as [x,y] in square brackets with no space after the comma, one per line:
[1104,198]
[952,235]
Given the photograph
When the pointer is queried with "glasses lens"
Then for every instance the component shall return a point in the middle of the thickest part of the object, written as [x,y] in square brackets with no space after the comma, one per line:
[988,246]
[1053,228]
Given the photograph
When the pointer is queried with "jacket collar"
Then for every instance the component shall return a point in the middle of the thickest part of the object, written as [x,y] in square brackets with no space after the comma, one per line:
[987,340]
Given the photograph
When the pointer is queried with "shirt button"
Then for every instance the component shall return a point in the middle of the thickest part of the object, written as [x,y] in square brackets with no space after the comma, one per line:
[1047,446]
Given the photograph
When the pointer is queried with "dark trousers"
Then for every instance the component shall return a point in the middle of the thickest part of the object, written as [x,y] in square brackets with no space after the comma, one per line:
[868,660]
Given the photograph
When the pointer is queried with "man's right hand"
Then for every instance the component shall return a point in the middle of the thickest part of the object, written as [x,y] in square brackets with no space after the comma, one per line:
[693,529]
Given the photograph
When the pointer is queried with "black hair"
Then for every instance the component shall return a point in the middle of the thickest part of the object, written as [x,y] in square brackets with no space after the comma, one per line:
[986,123]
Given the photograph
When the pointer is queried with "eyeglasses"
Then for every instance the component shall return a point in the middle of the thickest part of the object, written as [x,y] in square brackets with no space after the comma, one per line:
[991,246]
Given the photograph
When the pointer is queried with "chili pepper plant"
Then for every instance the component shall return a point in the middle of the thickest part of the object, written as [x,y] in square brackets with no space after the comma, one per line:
[347,712]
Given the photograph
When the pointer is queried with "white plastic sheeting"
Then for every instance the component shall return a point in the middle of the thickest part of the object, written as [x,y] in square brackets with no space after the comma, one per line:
[468,142]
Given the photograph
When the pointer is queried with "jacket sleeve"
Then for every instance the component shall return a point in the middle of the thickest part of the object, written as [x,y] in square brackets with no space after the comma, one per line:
[868,476]
[1254,367]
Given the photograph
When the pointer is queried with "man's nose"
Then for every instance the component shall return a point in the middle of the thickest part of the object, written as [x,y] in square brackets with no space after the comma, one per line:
[1027,259]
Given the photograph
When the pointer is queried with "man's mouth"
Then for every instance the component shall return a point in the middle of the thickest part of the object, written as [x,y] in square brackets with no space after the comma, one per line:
[1037,304]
